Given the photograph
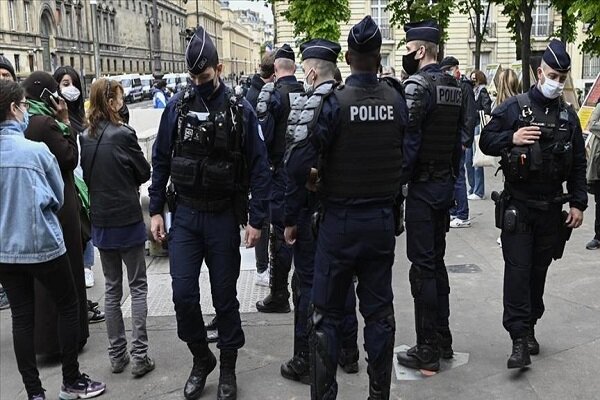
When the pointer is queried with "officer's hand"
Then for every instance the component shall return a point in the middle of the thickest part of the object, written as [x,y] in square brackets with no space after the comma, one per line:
[157,227]
[252,236]
[289,234]
[311,183]
[526,135]
[61,111]
[575,218]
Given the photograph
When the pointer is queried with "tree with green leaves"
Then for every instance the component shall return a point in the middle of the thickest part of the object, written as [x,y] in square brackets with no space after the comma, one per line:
[317,18]
[568,25]
[519,24]
[478,12]
[404,11]
[589,13]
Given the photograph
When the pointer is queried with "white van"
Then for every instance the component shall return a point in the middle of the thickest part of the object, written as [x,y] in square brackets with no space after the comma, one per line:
[132,87]
[147,83]
[173,81]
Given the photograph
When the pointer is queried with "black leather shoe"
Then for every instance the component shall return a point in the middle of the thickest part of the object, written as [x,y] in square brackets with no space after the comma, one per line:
[195,383]
[520,354]
[532,344]
[227,389]
[212,325]
[212,336]
[274,304]
[421,356]
[348,360]
[297,369]
[445,344]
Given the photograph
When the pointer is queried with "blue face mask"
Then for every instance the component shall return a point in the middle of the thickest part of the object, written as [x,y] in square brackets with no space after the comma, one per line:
[25,123]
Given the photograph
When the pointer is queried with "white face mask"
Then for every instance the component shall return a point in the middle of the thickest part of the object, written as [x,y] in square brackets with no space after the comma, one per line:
[70,93]
[308,87]
[551,89]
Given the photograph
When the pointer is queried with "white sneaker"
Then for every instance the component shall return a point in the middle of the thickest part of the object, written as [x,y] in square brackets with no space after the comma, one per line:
[499,241]
[452,217]
[262,278]
[89,278]
[473,196]
[460,223]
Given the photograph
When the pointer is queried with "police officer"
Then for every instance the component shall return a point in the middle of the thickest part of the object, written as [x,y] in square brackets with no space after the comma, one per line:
[356,132]
[432,149]
[209,144]
[273,108]
[301,205]
[539,139]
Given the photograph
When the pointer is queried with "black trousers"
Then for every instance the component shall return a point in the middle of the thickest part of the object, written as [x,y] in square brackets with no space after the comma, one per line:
[596,189]
[527,256]
[56,277]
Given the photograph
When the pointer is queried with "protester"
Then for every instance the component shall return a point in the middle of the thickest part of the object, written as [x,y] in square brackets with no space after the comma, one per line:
[593,173]
[114,167]
[160,94]
[30,179]
[50,124]
[508,86]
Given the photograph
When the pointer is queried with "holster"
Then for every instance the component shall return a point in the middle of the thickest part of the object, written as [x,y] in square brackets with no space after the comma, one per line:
[171,198]
[564,234]
[399,215]
[315,221]
[500,200]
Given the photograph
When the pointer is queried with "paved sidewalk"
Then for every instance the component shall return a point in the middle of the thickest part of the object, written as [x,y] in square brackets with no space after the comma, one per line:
[569,333]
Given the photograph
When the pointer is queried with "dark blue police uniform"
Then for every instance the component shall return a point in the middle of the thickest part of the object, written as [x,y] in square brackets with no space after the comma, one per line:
[432,148]
[273,108]
[529,210]
[196,147]
[358,137]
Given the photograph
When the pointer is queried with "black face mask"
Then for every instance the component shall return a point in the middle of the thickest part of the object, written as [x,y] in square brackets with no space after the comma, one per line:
[409,64]
[206,89]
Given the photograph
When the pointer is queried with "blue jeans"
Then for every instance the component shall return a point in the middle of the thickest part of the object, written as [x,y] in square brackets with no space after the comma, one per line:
[461,207]
[475,176]
[88,255]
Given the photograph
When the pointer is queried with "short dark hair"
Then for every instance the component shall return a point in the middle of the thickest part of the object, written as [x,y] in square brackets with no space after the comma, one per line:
[10,92]
[368,61]
[337,75]
[267,65]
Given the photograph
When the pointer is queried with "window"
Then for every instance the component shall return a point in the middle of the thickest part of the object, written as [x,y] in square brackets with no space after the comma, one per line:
[130,66]
[62,60]
[143,65]
[123,65]
[591,67]
[17,63]
[137,68]
[30,60]
[12,22]
[127,4]
[385,59]
[115,65]
[107,30]
[69,24]
[541,19]
[101,64]
[381,17]
[108,64]
[146,9]
[72,61]
[26,14]
[140,7]
[112,25]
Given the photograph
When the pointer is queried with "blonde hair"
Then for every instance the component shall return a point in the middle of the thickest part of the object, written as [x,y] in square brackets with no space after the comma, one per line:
[101,92]
[508,86]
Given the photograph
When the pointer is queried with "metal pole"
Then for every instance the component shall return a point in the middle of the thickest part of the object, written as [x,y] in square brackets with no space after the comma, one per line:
[197,15]
[97,71]
[156,27]
[81,72]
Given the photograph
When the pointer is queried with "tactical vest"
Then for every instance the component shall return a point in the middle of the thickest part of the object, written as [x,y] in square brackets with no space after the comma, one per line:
[208,165]
[288,92]
[440,132]
[366,158]
[550,159]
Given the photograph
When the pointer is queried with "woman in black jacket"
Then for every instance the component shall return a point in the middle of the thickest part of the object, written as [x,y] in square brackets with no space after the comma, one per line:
[114,167]
[483,102]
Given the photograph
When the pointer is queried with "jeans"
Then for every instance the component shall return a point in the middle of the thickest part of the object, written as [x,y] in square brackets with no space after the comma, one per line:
[461,208]
[88,255]
[55,275]
[475,176]
[112,265]
[261,251]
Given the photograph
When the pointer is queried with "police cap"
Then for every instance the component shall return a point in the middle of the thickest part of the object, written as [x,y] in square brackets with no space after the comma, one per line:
[365,36]
[285,51]
[320,48]
[556,56]
[449,62]
[427,31]
[200,52]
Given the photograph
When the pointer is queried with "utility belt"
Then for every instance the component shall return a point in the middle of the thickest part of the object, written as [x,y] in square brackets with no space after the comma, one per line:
[205,205]
[510,219]
[432,171]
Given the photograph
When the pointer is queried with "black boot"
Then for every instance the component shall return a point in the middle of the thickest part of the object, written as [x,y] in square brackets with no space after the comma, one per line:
[421,356]
[532,343]
[275,302]
[348,360]
[520,354]
[204,363]
[444,337]
[297,368]
[227,389]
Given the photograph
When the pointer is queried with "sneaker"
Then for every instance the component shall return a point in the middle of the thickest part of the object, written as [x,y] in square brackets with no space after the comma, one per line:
[452,217]
[117,366]
[41,396]
[89,278]
[473,196]
[460,223]
[142,367]
[93,306]
[95,316]
[593,244]
[262,278]
[82,388]
[4,304]
[499,241]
